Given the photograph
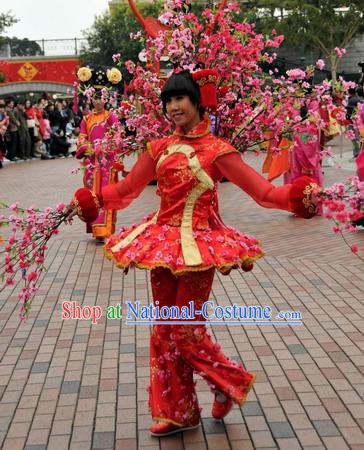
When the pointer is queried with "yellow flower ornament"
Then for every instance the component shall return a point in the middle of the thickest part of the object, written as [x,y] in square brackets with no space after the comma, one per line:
[84,74]
[114,75]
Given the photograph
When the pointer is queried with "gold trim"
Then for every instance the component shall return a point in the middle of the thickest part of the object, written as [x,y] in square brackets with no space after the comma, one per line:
[312,208]
[210,79]
[106,228]
[96,200]
[191,134]
[78,208]
[223,268]
[135,233]
[91,127]
[191,252]
[149,150]
[242,400]
[163,419]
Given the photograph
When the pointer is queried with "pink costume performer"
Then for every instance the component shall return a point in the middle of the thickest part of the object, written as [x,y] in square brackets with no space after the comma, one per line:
[92,129]
[305,155]
[90,148]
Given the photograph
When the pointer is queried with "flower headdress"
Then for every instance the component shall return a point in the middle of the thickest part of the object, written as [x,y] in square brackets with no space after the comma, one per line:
[99,78]
[207,82]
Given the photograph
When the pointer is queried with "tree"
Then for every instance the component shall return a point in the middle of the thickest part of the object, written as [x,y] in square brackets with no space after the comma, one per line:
[110,34]
[24,47]
[6,21]
[324,25]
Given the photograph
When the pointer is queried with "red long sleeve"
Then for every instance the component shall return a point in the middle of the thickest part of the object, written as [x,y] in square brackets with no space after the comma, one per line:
[232,167]
[120,195]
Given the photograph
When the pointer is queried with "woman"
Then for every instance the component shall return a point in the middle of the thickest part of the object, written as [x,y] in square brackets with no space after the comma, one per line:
[183,244]
[93,128]
[4,122]
[31,123]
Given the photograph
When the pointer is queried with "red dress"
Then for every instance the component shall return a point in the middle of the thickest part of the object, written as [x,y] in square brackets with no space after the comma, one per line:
[183,243]
[187,233]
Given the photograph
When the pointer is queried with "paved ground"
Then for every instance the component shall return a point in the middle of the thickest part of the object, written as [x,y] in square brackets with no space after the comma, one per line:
[67,384]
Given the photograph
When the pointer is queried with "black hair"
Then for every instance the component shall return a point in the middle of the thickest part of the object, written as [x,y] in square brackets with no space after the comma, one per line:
[97,93]
[182,83]
[8,100]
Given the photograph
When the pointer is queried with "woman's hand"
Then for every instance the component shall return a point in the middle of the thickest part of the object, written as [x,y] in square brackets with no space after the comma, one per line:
[70,212]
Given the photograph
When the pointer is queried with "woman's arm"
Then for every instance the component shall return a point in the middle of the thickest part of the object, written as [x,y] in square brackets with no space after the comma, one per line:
[121,194]
[262,191]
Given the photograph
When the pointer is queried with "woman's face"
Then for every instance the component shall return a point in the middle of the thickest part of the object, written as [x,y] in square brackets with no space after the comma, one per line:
[98,103]
[183,112]
[27,104]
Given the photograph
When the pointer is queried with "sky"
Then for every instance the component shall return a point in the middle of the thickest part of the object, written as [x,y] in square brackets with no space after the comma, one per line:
[52,19]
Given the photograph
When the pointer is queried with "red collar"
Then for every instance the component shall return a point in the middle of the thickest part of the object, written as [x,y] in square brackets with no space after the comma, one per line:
[201,129]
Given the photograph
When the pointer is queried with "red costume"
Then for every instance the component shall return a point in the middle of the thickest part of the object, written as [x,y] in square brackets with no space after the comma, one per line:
[183,243]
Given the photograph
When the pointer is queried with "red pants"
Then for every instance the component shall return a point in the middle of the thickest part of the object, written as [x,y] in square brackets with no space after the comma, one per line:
[176,351]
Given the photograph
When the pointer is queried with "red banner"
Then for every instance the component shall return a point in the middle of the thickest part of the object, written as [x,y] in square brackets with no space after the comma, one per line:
[47,70]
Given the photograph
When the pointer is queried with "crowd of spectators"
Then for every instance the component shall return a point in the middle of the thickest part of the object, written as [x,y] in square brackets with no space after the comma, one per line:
[46,129]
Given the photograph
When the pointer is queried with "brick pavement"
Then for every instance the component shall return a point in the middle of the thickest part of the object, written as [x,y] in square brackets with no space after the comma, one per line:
[73,385]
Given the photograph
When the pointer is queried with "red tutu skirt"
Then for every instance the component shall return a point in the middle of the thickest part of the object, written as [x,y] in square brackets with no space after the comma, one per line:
[160,246]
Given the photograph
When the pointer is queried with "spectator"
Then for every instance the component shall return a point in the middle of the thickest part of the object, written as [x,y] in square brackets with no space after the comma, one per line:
[31,123]
[24,141]
[4,122]
[12,131]
[55,117]
[66,114]
[72,140]
[47,133]
[39,107]
[59,145]
[2,142]
[77,115]
[4,119]
[85,107]
[353,101]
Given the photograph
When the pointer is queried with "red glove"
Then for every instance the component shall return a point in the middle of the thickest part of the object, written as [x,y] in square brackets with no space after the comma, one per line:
[87,204]
[300,197]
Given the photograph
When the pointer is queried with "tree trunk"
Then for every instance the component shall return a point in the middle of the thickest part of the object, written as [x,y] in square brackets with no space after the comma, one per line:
[334,60]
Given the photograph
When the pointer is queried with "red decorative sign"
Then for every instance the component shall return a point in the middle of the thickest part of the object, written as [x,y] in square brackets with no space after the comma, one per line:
[48,70]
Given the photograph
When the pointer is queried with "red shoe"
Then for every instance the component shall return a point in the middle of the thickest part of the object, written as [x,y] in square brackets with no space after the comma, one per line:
[165,429]
[220,409]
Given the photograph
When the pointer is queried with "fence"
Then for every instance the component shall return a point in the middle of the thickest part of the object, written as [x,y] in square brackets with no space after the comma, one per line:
[44,47]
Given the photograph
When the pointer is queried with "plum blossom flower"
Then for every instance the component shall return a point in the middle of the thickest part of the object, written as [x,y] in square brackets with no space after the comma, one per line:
[296,74]
[354,248]
[116,57]
[340,52]
[320,64]
[24,254]
[14,206]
